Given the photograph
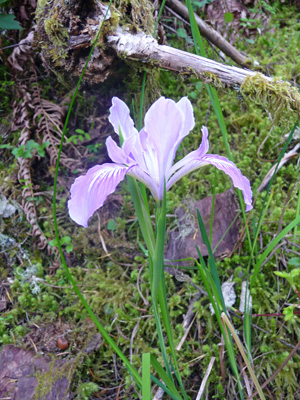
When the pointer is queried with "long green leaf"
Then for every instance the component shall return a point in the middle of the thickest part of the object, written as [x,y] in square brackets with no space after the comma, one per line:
[200,50]
[142,214]
[241,349]
[211,259]
[163,387]
[217,306]
[271,247]
[158,257]
[146,376]
[161,340]
[165,378]
[162,298]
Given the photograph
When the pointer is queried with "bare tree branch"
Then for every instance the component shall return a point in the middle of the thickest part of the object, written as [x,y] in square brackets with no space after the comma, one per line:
[141,47]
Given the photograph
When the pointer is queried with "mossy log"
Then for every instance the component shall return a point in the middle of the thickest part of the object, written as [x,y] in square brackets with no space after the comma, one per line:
[67,32]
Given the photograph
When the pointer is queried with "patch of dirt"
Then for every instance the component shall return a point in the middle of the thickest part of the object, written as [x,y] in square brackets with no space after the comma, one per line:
[44,339]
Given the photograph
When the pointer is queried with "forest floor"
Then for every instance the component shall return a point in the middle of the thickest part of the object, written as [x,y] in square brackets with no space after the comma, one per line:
[39,311]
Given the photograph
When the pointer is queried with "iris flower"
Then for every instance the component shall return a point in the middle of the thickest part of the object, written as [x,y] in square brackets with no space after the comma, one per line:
[148,156]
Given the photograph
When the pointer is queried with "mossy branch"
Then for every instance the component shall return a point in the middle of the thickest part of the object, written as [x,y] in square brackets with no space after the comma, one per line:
[278,97]
[67,48]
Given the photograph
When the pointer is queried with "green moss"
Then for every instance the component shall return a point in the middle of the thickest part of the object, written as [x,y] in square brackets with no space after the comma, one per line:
[276,96]
[47,379]
[210,78]
[56,31]
[141,16]
[49,17]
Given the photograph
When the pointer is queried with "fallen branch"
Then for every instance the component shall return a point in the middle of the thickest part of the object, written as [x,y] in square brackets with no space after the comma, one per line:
[278,97]
[141,47]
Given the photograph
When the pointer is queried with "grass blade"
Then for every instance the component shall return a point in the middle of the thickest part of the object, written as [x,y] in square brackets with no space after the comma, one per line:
[146,377]
[271,246]
[165,378]
[211,260]
[200,50]
[226,321]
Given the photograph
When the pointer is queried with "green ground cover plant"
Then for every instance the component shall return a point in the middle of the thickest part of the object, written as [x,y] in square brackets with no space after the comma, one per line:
[109,260]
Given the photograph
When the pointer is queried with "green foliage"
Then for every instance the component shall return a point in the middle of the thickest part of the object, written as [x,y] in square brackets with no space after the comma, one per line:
[111,225]
[81,135]
[228,17]
[114,291]
[5,87]
[202,3]
[28,150]
[278,97]
[65,241]
[8,22]
[85,390]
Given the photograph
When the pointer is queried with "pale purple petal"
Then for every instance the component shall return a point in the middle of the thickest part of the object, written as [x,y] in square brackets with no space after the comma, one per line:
[238,180]
[193,162]
[164,122]
[120,118]
[115,152]
[189,121]
[204,146]
[196,154]
[89,191]
[142,176]
[132,148]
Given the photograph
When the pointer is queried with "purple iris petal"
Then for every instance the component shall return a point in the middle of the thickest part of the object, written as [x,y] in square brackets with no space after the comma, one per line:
[192,161]
[120,118]
[196,154]
[238,180]
[165,125]
[89,191]
[142,176]
[189,121]
[115,152]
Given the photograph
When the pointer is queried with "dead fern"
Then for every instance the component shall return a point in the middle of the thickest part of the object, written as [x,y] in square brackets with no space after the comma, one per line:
[38,119]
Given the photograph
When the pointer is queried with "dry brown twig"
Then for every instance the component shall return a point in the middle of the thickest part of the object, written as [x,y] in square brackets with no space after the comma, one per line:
[211,34]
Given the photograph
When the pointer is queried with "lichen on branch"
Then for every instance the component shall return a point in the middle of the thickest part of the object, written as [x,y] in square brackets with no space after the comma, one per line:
[278,97]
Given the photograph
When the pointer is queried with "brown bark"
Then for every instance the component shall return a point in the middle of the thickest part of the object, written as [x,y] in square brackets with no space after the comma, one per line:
[209,33]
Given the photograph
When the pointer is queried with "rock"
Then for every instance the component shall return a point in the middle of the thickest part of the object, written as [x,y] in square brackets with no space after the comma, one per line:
[183,239]
[24,375]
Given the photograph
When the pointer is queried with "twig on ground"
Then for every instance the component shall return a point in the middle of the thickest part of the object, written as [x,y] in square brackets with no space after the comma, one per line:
[245,376]
[222,365]
[204,380]
[291,154]
[185,334]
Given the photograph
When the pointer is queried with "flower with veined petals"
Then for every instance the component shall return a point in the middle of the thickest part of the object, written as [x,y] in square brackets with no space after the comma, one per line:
[148,156]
